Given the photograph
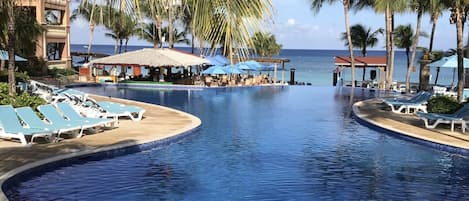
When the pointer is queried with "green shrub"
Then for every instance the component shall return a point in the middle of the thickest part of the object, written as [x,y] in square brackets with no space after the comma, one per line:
[443,105]
[20,76]
[21,100]
[34,66]
[55,72]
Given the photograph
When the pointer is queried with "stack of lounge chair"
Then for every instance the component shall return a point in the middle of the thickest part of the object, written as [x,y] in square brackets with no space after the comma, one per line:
[86,105]
[24,125]
[412,105]
[11,128]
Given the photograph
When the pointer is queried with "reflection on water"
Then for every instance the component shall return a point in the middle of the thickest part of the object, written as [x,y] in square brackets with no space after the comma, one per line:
[263,143]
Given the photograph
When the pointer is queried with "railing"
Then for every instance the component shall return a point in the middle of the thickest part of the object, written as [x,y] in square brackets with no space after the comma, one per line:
[57,2]
[56,31]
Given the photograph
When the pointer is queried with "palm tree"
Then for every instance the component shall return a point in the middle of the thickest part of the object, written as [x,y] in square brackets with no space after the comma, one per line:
[155,10]
[265,44]
[403,35]
[316,6]
[150,34]
[420,6]
[9,7]
[458,17]
[178,37]
[435,8]
[362,37]
[237,20]
[121,27]
[88,11]
[388,7]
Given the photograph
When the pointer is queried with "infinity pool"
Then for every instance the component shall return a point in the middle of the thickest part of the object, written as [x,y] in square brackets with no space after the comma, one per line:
[262,143]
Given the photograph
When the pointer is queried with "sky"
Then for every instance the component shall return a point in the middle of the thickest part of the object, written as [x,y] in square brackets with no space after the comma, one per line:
[295,26]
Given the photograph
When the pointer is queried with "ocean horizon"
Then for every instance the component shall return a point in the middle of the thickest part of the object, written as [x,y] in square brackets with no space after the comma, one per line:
[314,66]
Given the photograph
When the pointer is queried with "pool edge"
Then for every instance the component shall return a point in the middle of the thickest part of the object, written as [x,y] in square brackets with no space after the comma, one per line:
[103,152]
[356,114]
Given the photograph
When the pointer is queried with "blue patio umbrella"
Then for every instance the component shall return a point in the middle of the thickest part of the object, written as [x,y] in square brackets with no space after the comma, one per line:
[217,60]
[244,66]
[214,70]
[233,69]
[269,67]
[253,64]
[448,62]
[4,56]
[222,59]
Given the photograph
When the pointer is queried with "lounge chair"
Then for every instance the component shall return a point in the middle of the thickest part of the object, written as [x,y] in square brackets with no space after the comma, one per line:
[106,109]
[455,118]
[55,117]
[10,127]
[133,112]
[73,115]
[29,117]
[416,103]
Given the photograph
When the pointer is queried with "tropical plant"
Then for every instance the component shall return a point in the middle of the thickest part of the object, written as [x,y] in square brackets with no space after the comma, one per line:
[177,37]
[403,35]
[436,8]
[9,8]
[265,44]
[89,11]
[121,26]
[443,105]
[237,19]
[362,37]
[150,33]
[316,5]
[388,7]
[458,17]
[420,6]
[155,10]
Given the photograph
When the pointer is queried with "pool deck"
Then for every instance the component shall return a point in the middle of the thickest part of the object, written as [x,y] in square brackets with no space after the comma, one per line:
[376,113]
[158,123]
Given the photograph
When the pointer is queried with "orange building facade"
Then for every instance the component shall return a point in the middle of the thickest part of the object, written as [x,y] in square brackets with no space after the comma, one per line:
[53,45]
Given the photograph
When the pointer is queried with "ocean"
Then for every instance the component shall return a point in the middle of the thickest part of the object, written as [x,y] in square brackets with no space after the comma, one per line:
[316,66]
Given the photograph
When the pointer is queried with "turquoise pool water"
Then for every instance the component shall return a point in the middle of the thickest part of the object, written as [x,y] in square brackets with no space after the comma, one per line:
[262,143]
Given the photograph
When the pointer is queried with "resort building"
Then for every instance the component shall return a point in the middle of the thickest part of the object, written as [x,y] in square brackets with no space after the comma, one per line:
[54,43]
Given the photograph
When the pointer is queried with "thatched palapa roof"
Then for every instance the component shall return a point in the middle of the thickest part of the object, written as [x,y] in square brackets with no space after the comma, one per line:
[151,57]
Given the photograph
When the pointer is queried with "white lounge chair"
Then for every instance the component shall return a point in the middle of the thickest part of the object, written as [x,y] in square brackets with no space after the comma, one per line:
[432,120]
[416,103]
[11,128]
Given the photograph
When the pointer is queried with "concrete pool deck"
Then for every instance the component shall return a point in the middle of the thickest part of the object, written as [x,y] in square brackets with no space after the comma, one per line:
[159,123]
[376,113]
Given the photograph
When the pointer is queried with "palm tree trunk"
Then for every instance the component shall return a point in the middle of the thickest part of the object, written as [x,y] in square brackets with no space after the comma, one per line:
[11,47]
[160,34]
[116,45]
[387,15]
[90,42]
[391,69]
[170,24]
[432,34]
[459,50]
[126,42]
[192,43]
[349,39]
[120,46]
[414,50]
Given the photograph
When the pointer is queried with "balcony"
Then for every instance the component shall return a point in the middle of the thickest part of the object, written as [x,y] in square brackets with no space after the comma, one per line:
[56,31]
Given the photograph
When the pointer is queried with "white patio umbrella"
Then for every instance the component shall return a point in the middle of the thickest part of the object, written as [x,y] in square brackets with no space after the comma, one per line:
[152,57]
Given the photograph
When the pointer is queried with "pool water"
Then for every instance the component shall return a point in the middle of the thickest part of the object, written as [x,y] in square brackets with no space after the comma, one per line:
[262,143]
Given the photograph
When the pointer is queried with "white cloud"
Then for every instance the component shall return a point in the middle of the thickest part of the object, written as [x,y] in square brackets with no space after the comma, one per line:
[291,21]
